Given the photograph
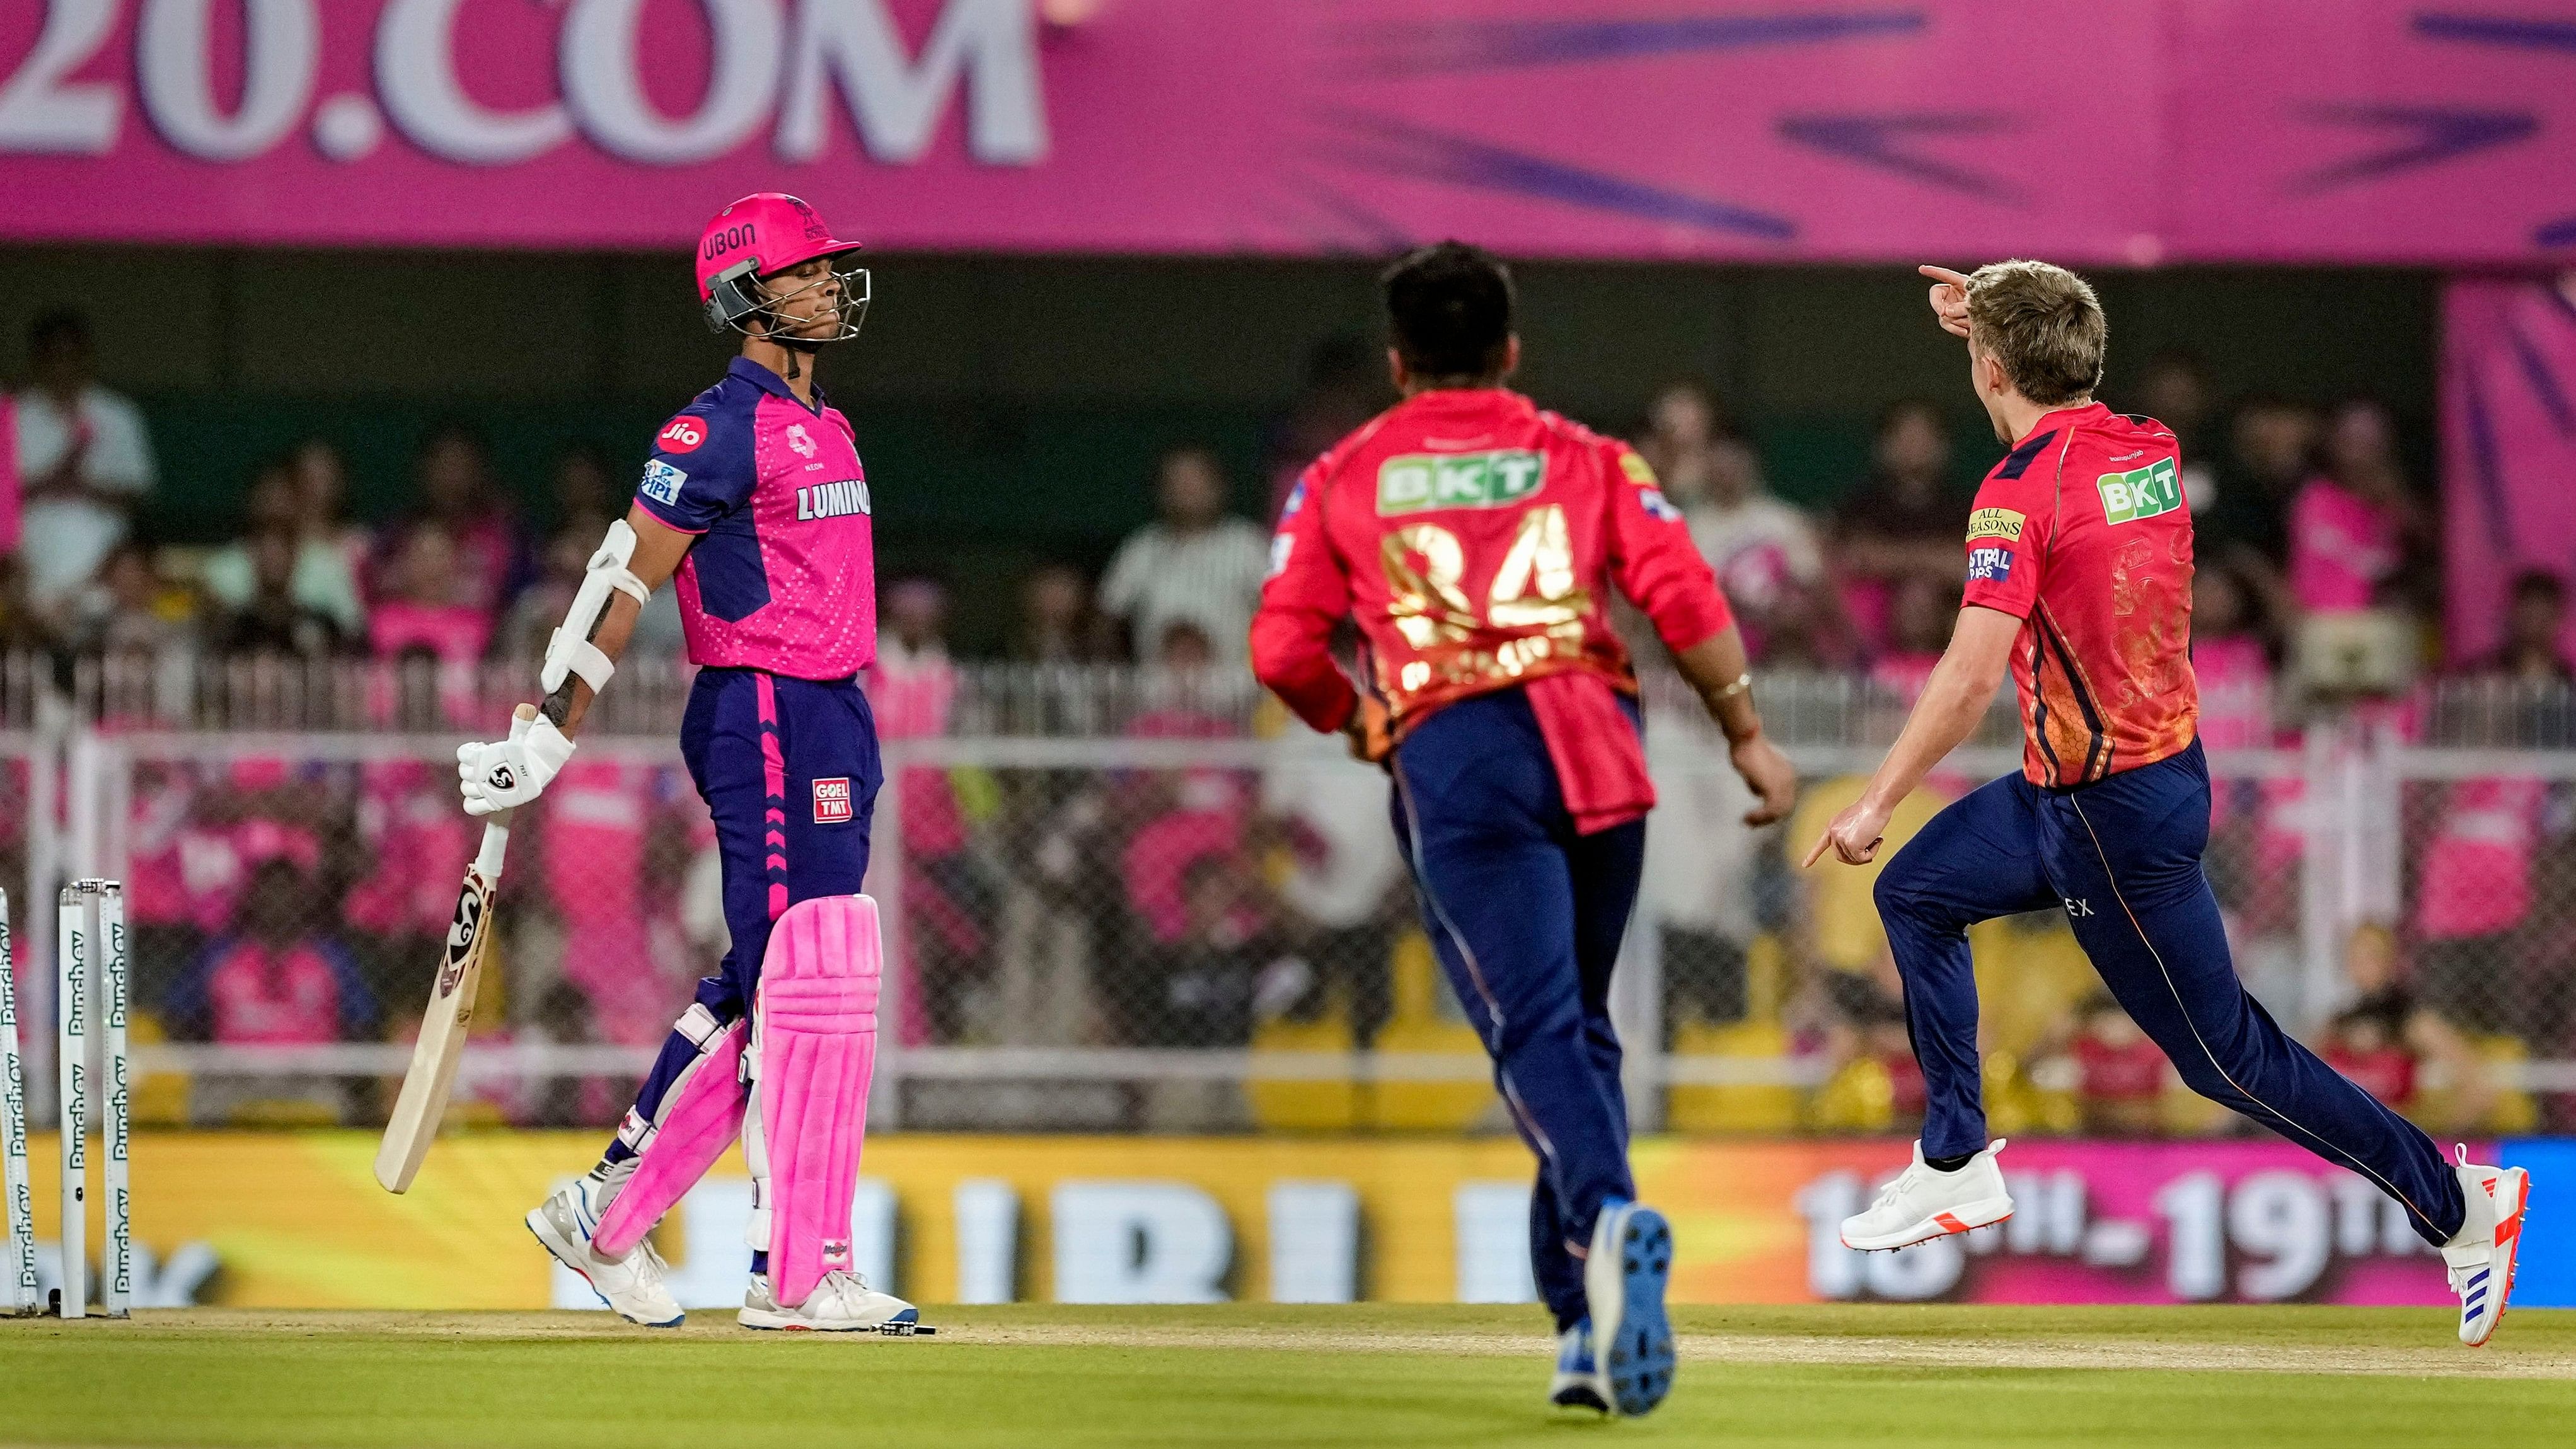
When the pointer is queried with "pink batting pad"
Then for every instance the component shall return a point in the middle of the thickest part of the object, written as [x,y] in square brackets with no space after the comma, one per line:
[817,1010]
[701,1115]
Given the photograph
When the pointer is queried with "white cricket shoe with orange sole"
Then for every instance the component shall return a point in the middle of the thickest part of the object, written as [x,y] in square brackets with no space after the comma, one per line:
[1923,1204]
[2481,1255]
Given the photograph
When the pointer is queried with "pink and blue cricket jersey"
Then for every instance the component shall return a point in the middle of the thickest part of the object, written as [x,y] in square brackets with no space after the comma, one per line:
[778,599]
[783,576]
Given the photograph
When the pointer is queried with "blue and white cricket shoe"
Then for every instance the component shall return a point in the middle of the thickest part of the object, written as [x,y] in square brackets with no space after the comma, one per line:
[1579,1382]
[1623,1282]
[2482,1256]
[632,1285]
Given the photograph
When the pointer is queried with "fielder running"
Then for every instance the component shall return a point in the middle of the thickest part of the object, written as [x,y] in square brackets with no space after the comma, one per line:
[1475,540]
[754,496]
[2079,581]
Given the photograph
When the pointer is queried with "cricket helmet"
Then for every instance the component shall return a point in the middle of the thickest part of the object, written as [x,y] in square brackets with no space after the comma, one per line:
[758,237]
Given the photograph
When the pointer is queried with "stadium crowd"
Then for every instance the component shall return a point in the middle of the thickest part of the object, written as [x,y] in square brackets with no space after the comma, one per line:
[280,901]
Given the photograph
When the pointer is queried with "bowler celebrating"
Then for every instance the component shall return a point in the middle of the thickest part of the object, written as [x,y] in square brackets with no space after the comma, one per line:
[1475,540]
[2079,580]
[755,498]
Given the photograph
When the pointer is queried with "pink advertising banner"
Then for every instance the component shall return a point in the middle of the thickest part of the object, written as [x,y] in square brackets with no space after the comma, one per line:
[2119,131]
[2509,445]
[2247,1221]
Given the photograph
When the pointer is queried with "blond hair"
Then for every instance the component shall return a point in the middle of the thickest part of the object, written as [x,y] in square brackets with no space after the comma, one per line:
[2043,324]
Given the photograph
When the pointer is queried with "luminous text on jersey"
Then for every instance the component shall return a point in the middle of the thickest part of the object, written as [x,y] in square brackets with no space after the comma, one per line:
[1419,482]
[832,500]
[2127,497]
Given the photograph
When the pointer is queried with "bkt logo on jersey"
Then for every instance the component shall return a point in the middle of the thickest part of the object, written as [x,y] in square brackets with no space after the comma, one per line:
[832,500]
[1989,565]
[2144,493]
[1419,482]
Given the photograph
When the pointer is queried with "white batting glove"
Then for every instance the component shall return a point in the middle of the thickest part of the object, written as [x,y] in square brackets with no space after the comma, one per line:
[506,774]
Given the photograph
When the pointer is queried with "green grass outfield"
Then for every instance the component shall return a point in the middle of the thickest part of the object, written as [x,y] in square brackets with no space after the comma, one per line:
[1255,1375]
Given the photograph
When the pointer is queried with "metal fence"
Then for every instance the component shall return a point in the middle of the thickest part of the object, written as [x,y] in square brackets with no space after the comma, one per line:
[1136,901]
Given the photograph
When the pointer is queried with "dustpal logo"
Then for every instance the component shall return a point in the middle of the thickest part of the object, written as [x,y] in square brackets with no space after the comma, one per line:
[2142,493]
[1419,482]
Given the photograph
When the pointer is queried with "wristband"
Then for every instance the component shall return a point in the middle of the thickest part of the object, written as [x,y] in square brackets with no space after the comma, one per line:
[1742,683]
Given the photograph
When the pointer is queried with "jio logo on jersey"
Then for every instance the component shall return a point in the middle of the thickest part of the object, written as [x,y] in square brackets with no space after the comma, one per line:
[681,435]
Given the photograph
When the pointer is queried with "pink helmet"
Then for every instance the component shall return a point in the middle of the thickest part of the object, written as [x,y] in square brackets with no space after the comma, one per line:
[764,233]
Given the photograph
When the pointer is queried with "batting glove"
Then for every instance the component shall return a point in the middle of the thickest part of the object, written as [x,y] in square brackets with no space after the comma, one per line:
[506,774]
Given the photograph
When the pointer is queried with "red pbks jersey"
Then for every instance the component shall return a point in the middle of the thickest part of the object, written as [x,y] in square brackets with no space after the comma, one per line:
[1474,539]
[2082,534]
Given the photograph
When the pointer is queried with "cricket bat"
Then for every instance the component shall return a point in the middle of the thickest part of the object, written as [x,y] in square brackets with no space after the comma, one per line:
[422,1103]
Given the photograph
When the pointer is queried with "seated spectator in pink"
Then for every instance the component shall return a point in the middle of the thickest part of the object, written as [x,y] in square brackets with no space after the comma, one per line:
[1918,629]
[1187,813]
[457,495]
[273,979]
[2229,658]
[1764,550]
[421,607]
[911,689]
[1905,519]
[2354,525]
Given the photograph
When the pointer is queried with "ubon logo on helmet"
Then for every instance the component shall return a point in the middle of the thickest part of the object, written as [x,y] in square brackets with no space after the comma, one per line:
[760,236]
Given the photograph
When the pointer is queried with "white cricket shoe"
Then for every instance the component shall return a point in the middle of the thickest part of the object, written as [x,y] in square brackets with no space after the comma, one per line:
[632,1285]
[1623,1284]
[2481,1255]
[1579,1382]
[841,1303]
[1923,1204]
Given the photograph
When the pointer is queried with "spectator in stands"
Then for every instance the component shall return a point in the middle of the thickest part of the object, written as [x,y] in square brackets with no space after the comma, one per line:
[275,619]
[1058,624]
[84,462]
[275,978]
[948,900]
[2231,661]
[2119,1073]
[1229,961]
[1918,629]
[2355,525]
[2535,623]
[1905,519]
[420,606]
[2443,1047]
[457,496]
[130,612]
[1345,386]
[1194,565]
[1684,429]
[322,496]
[2368,1045]
[2271,448]
[1764,550]
[319,576]
[2175,392]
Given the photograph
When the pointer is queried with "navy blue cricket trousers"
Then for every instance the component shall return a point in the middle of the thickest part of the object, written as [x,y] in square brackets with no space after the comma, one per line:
[2122,858]
[1526,917]
[789,770]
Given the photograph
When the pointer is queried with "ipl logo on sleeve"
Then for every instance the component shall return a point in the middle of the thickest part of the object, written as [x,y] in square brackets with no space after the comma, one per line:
[662,482]
[832,805]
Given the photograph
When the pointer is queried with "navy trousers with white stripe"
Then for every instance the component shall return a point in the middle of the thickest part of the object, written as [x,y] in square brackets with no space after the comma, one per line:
[1526,917]
[2122,858]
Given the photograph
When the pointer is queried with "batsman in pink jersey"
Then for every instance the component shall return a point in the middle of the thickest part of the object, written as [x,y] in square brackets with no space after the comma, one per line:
[755,503]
